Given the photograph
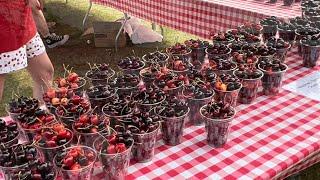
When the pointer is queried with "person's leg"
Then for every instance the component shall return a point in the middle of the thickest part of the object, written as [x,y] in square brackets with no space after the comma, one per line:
[2,79]
[51,40]
[41,71]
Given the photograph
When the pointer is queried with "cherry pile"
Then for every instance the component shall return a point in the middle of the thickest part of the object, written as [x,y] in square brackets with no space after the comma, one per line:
[270,21]
[223,64]
[197,91]
[74,158]
[91,123]
[244,58]
[218,110]
[55,97]
[248,73]
[196,44]
[37,120]
[131,62]
[155,57]
[287,27]
[100,92]
[23,105]
[177,63]
[17,155]
[173,107]
[72,81]
[53,137]
[150,95]
[250,49]
[8,132]
[277,43]
[118,106]
[264,50]
[307,30]
[251,28]
[236,46]
[222,37]
[100,71]
[218,49]
[142,122]
[75,106]
[272,66]
[178,49]
[169,81]
[36,170]
[299,22]
[227,82]
[125,81]
[311,40]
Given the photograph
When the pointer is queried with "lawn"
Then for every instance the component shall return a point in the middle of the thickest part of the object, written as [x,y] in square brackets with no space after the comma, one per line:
[77,53]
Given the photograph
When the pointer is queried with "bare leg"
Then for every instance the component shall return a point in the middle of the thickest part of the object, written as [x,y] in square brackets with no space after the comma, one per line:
[41,22]
[41,71]
[2,79]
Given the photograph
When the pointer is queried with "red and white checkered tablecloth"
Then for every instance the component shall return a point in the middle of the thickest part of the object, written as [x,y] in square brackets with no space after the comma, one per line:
[200,17]
[269,139]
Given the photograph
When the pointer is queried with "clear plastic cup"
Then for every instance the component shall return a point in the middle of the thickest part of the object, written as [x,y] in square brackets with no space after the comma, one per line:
[172,128]
[146,80]
[87,139]
[84,173]
[10,143]
[148,107]
[269,31]
[217,129]
[161,63]
[30,133]
[286,35]
[229,71]
[229,97]
[13,116]
[116,120]
[144,145]
[115,166]
[195,104]
[67,121]
[310,55]
[48,153]
[100,102]
[249,90]
[218,56]
[198,54]
[272,81]
[281,54]
[103,81]
[186,57]
[171,91]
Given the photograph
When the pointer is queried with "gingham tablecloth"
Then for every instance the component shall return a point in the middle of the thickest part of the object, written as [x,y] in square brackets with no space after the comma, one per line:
[269,139]
[200,17]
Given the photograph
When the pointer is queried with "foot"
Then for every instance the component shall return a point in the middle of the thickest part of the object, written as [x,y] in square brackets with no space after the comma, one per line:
[54,40]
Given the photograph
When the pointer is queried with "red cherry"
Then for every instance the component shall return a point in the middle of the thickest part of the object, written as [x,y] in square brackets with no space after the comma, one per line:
[62,82]
[74,153]
[75,166]
[94,120]
[76,99]
[83,118]
[120,147]
[74,86]
[90,156]
[49,118]
[111,149]
[62,134]
[73,77]
[63,90]
[112,139]
[51,93]
[68,161]
[51,143]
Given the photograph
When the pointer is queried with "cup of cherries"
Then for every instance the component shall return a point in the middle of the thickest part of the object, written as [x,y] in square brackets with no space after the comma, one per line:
[180,50]
[72,109]
[125,83]
[149,97]
[173,113]
[88,127]
[156,57]
[16,157]
[287,32]
[71,81]
[31,124]
[310,48]
[273,72]
[76,162]
[170,82]
[227,88]
[218,117]
[21,105]
[9,134]
[131,65]
[50,141]
[55,97]
[218,51]
[281,46]
[250,79]
[224,66]
[222,38]
[197,94]
[178,65]
[99,94]
[114,153]
[36,169]
[270,27]
[149,74]
[144,126]
[198,48]
[99,74]
[248,59]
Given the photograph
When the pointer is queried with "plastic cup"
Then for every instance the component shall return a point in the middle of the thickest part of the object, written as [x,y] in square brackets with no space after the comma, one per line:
[148,107]
[249,90]
[144,145]
[133,71]
[229,71]
[7,172]
[272,81]
[195,104]
[186,57]
[198,54]
[30,133]
[10,143]
[87,139]
[172,129]
[218,56]
[84,173]
[281,54]
[146,80]
[217,129]
[161,63]
[115,166]
[288,36]
[171,91]
[310,55]
[116,120]
[48,153]
[103,81]
[100,102]
[229,97]
[265,58]
[269,31]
